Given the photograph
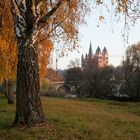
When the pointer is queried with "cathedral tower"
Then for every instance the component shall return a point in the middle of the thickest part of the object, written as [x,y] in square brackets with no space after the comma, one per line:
[105,57]
[101,58]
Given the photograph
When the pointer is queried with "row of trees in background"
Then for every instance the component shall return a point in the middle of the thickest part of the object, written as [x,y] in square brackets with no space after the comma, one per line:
[93,81]
[131,68]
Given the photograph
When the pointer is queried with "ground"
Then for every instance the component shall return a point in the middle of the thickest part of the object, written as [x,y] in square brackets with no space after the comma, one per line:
[75,119]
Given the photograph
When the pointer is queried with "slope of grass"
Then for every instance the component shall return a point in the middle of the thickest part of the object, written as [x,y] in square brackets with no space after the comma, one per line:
[75,119]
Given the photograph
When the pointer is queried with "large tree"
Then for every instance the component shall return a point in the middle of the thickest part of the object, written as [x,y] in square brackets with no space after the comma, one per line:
[74,78]
[131,68]
[8,51]
[52,19]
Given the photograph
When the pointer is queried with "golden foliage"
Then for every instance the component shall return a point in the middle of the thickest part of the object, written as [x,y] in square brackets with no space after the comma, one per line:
[54,76]
[8,49]
[101,18]
[122,6]
[45,48]
[8,59]
[63,25]
[62,29]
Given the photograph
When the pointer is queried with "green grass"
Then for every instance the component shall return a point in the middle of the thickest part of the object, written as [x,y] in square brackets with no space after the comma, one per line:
[76,119]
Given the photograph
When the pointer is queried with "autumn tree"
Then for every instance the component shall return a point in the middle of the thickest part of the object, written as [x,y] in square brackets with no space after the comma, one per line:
[44,57]
[8,51]
[131,68]
[118,73]
[74,78]
[56,20]
[74,64]
[53,75]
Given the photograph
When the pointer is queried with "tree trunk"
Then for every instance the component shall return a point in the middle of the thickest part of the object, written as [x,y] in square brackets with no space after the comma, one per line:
[28,105]
[6,88]
[10,92]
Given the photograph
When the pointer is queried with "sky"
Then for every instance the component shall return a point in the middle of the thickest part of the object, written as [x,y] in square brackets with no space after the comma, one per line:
[106,33]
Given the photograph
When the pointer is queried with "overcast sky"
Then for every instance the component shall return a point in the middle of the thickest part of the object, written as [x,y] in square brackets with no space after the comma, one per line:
[108,34]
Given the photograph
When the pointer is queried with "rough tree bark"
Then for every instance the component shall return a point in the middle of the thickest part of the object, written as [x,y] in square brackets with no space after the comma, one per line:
[6,88]
[27,23]
[28,105]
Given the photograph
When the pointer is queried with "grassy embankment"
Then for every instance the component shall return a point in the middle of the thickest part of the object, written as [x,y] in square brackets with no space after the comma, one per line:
[76,120]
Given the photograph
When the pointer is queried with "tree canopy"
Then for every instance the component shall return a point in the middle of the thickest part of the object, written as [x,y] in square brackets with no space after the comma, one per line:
[36,21]
[8,48]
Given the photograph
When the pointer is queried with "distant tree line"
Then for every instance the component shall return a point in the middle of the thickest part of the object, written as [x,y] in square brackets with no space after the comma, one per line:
[100,82]
[131,69]
[91,81]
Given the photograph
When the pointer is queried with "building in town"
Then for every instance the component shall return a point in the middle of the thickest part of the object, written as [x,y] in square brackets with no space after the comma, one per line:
[101,57]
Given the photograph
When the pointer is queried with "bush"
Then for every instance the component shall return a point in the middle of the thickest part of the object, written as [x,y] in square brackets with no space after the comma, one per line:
[48,89]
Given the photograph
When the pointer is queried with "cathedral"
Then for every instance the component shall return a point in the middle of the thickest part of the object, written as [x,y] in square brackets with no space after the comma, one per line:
[101,58]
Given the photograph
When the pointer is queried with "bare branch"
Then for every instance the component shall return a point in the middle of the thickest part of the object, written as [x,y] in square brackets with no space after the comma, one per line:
[51,3]
[45,18]
[15,8]
[48,35]
[1,5]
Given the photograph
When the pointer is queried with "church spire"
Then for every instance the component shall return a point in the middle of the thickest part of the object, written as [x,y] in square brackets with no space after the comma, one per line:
[90,50]
[82,57]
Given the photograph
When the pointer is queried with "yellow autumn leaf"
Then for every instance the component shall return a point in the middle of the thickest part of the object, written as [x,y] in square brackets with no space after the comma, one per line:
[101,18]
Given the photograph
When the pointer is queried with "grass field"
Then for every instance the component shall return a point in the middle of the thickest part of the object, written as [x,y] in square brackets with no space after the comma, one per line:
[75,119]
